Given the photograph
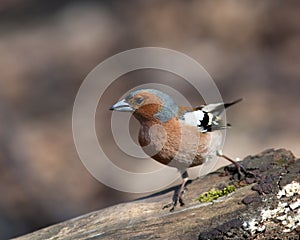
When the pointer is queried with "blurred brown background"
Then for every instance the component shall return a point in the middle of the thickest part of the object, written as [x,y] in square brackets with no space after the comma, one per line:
[250,48]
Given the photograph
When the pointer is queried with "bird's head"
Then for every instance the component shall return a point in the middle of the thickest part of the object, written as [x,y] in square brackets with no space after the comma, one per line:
[148,104]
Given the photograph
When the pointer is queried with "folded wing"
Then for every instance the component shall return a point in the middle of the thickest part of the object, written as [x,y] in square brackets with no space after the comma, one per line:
[206,117]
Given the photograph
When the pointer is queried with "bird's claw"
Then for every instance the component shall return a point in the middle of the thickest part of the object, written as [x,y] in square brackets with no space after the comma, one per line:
[241,170]
[243,173]
[173,204]
[240,173]
[170,205]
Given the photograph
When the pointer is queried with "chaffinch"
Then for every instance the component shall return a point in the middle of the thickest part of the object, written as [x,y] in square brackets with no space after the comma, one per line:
[176,136]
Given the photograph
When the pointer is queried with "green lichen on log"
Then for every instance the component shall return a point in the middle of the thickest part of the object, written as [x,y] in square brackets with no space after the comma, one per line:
[214,194]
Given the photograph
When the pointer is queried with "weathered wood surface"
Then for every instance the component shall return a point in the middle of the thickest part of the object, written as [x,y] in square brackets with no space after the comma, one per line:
[229,217]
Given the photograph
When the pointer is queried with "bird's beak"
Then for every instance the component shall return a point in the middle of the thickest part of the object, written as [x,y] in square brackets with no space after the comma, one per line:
[122,106]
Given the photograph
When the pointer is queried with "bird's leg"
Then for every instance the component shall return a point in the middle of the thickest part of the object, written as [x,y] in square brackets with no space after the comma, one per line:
[180,193]
[177,197]
[240,168]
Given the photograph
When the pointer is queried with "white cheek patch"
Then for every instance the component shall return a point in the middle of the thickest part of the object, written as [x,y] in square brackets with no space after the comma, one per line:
[193,118]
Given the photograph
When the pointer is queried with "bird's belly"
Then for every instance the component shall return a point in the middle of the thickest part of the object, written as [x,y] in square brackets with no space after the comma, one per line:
[183,149]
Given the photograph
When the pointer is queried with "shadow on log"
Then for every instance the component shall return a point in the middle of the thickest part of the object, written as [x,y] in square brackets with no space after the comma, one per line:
[264,208]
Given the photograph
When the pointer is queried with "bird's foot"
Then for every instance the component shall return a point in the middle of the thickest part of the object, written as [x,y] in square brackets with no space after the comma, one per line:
[176,199]
[170,205]
[242,172]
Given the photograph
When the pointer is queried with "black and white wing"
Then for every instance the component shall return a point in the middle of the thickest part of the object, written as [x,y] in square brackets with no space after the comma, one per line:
[205,121]
[207,117]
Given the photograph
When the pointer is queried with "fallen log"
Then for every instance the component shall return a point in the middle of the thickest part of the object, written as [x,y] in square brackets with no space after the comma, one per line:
[266,206]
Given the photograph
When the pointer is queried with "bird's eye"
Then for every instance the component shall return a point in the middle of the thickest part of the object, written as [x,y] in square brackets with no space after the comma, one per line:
[139,100]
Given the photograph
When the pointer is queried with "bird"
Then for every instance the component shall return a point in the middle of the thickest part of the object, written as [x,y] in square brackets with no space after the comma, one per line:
[177,136]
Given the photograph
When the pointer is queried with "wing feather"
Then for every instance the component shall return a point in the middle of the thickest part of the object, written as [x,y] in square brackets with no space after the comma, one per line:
[206,117]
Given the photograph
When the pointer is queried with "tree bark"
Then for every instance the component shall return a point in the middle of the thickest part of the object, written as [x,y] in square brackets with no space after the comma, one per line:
[260,208]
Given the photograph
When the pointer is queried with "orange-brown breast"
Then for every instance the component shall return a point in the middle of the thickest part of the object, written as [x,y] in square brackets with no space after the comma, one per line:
[172,143]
